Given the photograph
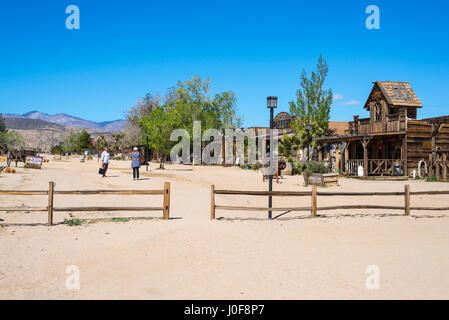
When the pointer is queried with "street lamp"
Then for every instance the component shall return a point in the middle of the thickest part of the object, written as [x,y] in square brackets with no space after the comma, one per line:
[272,103]
[308,127]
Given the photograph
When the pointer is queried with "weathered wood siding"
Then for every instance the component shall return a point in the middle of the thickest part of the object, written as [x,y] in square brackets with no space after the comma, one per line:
[419,142]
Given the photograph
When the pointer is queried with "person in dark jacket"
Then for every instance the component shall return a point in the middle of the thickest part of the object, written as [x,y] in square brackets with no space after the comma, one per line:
[135,163]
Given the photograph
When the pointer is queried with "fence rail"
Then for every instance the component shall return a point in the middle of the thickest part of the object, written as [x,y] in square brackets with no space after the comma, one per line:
[165,208]
[313,208]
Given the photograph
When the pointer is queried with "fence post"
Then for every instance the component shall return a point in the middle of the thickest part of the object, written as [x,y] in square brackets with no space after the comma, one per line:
[407,199]
[51,188]
[314,201]
[212,202]
[166,214]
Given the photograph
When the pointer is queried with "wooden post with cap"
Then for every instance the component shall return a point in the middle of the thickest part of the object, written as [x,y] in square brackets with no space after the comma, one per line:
[212,202]
[166,214]
[314,202]
[51,188]
[407,199]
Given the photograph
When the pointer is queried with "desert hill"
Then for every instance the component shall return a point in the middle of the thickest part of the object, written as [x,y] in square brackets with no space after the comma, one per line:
[69,121]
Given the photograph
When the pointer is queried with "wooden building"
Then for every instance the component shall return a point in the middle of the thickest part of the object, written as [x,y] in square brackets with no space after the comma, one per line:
[391,141]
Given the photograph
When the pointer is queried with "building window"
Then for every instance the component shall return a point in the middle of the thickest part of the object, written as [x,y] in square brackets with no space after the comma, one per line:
[378,112]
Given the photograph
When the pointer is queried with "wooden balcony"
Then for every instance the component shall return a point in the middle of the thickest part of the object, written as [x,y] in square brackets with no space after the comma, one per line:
[392,123]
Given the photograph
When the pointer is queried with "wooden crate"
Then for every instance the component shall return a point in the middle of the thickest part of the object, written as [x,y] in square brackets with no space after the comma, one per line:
[321,179]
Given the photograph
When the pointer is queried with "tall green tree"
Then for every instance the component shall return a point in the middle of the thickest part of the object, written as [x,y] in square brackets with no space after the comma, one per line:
[159,125]
[118,142]
[313,104]
[11,140]
[133,133]
[83,141]
[101,143]
[190,100]
[288,145]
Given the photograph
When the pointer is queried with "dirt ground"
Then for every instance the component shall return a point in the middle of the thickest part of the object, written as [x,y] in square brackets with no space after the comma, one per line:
[241,255]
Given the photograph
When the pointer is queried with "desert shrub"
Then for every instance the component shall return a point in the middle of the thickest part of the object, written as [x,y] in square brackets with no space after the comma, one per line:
[72,221]
[255,166]
[120,219]
[296,167]
[315,167]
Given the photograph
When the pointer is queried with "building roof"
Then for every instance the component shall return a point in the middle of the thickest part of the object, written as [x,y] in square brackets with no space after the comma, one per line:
[397,94]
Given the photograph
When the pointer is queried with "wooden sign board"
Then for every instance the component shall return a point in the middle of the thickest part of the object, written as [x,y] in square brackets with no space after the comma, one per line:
[33,162]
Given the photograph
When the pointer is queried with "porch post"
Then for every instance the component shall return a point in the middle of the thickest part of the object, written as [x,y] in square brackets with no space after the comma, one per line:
[341,157]
[365,156]
[404,155]
[347,156]
[337,157]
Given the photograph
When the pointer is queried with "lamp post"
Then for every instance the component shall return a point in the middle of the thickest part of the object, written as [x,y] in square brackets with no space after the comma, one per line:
[272,103]
[146,153]
[308,127]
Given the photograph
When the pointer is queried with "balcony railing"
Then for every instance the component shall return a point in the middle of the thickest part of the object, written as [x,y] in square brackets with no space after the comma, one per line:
[393,123]
[376,166]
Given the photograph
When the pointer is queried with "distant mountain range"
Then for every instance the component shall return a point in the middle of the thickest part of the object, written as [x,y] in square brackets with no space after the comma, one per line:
[31,124]
[70,121]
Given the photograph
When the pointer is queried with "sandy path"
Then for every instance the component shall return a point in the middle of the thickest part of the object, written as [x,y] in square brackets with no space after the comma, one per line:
[237,258]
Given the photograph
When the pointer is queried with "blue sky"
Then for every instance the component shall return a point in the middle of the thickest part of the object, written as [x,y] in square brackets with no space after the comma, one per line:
[125,49]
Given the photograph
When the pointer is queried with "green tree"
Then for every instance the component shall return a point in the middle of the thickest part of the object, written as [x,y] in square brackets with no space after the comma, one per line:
[11,140]
[288,145]
[133,133]
[188,101]
[159,125]
[57,149]
[69,144]
[101,143]
[83,141]
[313,103]
[118,141]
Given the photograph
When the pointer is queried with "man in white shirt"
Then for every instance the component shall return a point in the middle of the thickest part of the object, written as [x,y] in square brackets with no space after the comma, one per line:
[105,158]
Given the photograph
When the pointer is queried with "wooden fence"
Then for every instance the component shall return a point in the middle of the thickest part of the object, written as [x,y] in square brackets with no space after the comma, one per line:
[313,208]
[165,208]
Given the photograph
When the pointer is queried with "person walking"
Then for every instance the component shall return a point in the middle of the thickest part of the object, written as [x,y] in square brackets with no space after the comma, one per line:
[135,163]
[105,159]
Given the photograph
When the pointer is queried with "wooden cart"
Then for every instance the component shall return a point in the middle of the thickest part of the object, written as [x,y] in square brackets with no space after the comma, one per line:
[19,155]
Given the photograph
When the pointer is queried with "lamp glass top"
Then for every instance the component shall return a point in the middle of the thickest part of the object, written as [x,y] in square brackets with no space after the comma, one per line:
[272,102]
